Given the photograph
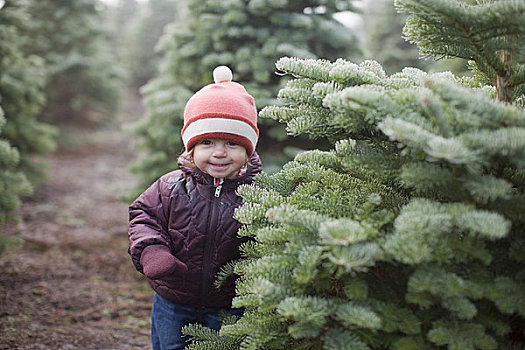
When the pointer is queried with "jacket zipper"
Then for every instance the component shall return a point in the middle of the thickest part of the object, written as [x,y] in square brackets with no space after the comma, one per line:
[218,187]
[210,240]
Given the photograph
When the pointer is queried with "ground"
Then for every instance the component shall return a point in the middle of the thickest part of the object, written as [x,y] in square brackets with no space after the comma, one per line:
[71,285]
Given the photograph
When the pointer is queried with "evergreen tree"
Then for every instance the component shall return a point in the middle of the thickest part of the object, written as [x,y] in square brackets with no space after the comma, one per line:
[142,56]
[82,79]
[21,93]
[21,98]
[383,28]
[408,234]
[246,35]
[384,38]
[123,14]
[13,185]
[122,18]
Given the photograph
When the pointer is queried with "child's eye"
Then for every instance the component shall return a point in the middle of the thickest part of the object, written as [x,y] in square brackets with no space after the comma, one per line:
[231,143]
[206,142]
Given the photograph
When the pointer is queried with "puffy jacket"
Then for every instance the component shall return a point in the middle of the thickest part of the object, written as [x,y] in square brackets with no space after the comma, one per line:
[185,212]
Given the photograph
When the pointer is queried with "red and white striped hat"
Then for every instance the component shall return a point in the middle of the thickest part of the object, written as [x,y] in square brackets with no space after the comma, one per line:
[223,110]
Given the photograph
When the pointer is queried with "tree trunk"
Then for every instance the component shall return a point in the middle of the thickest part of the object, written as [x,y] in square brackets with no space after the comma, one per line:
[504,93]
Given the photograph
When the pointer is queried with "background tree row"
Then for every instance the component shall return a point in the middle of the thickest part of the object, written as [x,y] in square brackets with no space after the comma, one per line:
[21,99]
[55,69]
[247,36]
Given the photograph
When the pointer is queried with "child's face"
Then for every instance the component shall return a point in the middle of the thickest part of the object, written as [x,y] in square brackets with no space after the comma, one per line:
[219,158]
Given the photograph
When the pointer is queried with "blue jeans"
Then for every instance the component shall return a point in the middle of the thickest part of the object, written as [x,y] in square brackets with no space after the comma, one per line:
[168,318]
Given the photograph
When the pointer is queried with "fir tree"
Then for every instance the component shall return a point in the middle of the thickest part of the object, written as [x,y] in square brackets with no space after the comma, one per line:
[21,98]
[21,93]
[13,183]
[142,55]
[246,35]
[123,17]
[122,14]
[408,234]
[82,81]
[384,40]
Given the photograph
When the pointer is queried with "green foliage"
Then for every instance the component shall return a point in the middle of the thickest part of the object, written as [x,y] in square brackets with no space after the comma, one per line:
[21,99]
[408,234]
[451,28]
[8,242]
[206,338]
[13,182]
[82,81]
[247,36]
[384,38]
[160,139]
[384,41]
[123,16]
[141,56]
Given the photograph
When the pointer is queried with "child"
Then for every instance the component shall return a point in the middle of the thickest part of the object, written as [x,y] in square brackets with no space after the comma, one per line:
[181,229]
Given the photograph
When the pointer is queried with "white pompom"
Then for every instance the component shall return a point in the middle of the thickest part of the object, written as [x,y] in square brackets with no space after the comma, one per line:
[222,74]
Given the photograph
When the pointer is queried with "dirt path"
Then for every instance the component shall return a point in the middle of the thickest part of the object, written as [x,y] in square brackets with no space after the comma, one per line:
[72,285]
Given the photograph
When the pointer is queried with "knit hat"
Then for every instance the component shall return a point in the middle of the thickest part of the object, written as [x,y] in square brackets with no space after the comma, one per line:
[223,110]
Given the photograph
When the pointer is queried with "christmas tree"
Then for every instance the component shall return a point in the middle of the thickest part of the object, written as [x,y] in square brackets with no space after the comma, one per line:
[247,36]
[408,234]
[21,96]
[383,27]
[82,81]
[13,182]
[141,56]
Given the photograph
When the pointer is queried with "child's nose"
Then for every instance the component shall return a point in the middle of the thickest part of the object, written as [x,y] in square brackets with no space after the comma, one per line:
[219,150]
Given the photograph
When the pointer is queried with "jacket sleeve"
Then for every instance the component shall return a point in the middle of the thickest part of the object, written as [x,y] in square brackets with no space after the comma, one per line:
[146,222]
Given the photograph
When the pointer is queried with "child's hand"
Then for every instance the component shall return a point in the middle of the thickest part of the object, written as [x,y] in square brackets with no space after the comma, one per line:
[157,262]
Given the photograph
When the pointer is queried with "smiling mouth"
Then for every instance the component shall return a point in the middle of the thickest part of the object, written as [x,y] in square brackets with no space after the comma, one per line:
[219,166]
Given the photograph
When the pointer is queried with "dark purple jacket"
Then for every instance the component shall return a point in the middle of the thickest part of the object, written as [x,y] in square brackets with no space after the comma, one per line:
[182,212]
